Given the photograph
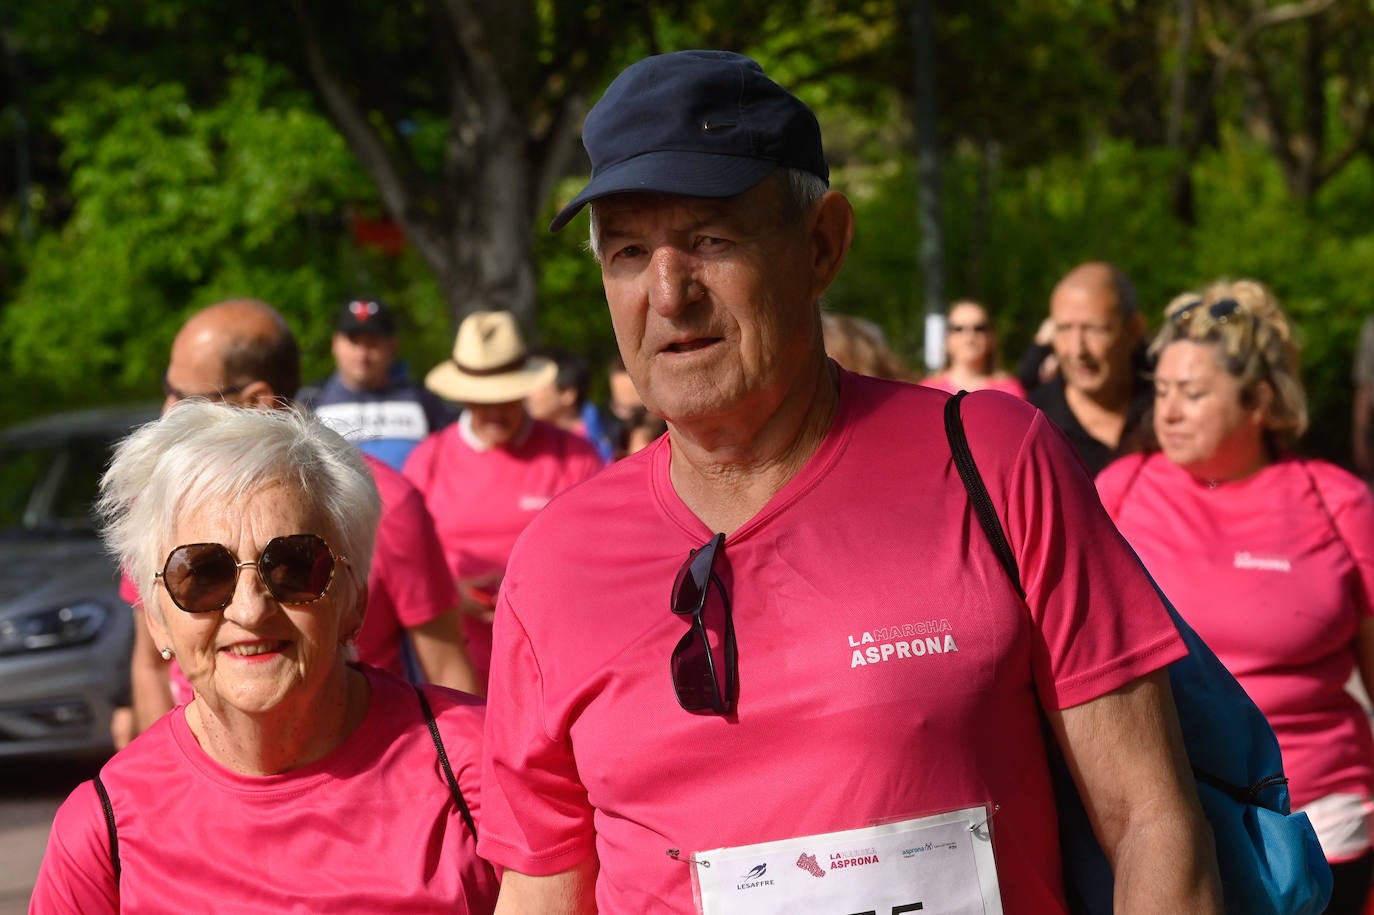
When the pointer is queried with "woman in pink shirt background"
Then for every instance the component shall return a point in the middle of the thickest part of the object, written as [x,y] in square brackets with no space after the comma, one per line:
[971,354]
[1268,555]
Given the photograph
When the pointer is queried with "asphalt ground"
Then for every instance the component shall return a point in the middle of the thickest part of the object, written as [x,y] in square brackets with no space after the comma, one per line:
[30,792]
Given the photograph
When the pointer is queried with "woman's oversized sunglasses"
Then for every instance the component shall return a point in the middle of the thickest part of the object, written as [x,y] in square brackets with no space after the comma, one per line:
[296,569]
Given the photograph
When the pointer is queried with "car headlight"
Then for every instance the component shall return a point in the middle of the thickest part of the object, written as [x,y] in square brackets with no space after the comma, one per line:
[52,627]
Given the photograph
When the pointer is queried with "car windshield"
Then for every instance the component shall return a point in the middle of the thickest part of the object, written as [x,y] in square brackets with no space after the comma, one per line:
[48,486]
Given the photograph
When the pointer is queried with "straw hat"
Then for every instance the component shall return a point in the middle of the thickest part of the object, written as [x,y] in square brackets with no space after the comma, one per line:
[489,363]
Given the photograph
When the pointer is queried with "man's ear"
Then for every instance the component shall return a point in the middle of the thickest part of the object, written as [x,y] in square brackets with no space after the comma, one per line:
[259,394]
[832,232]
[1135,326]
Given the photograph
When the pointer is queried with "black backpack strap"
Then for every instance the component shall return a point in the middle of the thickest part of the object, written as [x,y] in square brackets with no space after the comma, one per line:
[109,825]
[978,491]
[453,788]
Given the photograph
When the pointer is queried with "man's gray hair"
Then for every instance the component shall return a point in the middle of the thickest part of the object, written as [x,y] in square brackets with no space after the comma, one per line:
[801,190]
[201,452]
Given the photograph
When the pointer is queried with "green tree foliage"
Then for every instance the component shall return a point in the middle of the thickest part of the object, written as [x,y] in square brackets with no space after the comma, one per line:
[1183,139]
[1114,205]
[177,206]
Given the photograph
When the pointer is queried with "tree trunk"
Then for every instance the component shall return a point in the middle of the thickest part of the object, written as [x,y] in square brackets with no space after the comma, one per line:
[929,191]
[489,263]
[471,221]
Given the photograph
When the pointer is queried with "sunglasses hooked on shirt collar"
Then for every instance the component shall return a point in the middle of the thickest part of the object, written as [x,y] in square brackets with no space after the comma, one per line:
[701,683]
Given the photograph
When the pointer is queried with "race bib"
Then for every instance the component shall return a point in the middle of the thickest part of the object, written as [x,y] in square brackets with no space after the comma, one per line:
[941,864]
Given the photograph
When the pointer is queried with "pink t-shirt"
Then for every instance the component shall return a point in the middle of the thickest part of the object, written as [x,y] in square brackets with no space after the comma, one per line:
[369,828]
[481,499]
[887,668]
[410,582]
[1007,384]
[1258,568]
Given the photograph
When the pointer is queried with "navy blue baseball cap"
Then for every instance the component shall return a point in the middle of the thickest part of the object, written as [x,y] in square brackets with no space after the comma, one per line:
[694,123]
[366,316]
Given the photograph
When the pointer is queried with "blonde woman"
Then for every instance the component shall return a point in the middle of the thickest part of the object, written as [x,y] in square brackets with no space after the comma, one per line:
[1268,555]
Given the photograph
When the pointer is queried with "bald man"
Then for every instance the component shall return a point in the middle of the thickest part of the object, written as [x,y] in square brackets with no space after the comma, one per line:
[242,352]
[1100,395]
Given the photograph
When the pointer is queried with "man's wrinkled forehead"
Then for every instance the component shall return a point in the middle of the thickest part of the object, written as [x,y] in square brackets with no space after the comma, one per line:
[1086,303]
[636,212]
[635,209]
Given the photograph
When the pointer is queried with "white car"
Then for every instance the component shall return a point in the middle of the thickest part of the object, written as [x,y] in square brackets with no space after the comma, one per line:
[65,634]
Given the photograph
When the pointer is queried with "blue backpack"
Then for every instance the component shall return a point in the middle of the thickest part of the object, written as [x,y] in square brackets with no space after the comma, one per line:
[1270,861]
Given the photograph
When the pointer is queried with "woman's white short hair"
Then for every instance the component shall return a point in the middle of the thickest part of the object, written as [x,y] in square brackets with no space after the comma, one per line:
[201,452]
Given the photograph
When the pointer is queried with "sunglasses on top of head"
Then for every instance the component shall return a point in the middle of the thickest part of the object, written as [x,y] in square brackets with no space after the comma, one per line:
[295,569]
[1220,311]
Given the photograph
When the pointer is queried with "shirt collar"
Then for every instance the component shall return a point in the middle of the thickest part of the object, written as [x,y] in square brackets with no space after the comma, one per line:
[476,444]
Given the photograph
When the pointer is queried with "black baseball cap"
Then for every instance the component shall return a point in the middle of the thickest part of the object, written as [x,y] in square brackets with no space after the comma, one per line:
[695,123]
[366,316]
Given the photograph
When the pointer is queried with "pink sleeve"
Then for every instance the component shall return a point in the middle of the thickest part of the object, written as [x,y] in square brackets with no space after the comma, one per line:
[1011,385]
[536,816]
[128,592]
[1098,621]
[588,463]
[1352,509]
[409,560]
[418,464]
[77,875]
[1113,481]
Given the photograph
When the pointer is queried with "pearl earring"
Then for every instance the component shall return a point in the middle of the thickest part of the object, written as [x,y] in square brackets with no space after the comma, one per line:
[167,654]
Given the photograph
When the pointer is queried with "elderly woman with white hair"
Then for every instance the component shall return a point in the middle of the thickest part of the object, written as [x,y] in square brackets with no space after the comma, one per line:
[294,780]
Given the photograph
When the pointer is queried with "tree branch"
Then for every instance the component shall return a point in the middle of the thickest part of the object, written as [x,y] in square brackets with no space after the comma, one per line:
[1233,52]
[1178,89]
[1313,100]
[1280,137]
[367,144]
[553,149]
[1258,22]
[1359,143]
[482,69]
